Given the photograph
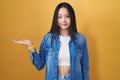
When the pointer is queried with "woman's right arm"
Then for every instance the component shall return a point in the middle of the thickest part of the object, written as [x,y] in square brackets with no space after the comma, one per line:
[38,59]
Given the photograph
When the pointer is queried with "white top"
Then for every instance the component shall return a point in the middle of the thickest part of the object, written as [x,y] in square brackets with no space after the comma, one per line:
[64,54]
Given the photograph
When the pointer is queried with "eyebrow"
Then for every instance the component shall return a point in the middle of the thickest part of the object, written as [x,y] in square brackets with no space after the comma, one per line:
[65,14]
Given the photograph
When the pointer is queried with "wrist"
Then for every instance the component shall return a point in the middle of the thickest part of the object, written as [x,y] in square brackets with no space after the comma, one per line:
[32,46]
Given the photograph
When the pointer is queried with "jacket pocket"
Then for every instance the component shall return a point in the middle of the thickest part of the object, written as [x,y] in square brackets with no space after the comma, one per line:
[49,55]
[49,51]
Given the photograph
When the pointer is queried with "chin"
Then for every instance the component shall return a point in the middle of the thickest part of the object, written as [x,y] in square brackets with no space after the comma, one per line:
[64,27]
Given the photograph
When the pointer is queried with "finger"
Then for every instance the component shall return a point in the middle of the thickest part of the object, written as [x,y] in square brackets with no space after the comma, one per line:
[17,42]
[13,40]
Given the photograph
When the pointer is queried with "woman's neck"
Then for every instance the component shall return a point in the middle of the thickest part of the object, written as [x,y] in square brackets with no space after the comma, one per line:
[64,32]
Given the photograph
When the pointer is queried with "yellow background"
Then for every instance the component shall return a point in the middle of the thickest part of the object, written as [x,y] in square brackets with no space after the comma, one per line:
[98,20]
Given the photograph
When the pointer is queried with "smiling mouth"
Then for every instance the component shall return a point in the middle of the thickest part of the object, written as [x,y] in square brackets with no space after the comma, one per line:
[64,24]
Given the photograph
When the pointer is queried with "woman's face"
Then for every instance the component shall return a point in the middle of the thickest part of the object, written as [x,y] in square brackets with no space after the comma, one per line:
[64,20]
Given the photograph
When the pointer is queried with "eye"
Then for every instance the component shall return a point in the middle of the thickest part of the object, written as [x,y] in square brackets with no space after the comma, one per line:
[67,16]
[59,16]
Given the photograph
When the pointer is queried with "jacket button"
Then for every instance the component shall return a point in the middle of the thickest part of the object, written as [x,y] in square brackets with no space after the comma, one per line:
[56,61]
[57,51]
[55,70]
[51,49]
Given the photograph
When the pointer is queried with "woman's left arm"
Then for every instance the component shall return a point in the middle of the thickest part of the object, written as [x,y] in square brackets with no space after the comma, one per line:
[85,62]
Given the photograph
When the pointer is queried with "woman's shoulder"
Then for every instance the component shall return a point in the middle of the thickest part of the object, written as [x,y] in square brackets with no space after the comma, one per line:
[80,38]
[47,36]
[79,35]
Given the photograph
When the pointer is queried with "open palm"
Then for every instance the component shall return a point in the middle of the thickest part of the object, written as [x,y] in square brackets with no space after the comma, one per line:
[25,42]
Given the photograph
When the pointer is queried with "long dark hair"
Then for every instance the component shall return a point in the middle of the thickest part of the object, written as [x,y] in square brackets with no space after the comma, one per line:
[72,27]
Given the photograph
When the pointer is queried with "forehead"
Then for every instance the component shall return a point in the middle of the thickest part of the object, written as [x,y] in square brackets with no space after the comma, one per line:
[63,10]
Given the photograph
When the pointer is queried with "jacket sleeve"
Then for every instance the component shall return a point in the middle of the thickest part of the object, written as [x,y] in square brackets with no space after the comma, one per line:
[38,59]
[85,62]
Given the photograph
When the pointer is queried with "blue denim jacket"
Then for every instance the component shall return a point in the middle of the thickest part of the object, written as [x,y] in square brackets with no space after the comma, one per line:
[48,55]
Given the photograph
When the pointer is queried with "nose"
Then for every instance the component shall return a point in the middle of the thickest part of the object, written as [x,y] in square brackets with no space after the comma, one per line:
[63,19]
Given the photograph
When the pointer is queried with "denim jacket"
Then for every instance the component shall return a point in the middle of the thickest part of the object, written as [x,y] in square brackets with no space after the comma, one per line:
[48,55]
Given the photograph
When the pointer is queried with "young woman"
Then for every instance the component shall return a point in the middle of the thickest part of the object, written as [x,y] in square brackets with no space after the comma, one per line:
[63,50]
